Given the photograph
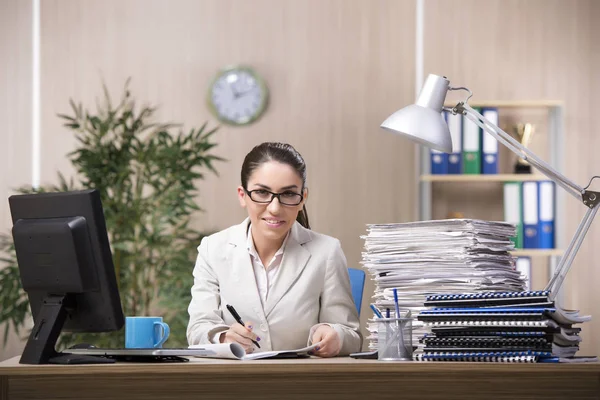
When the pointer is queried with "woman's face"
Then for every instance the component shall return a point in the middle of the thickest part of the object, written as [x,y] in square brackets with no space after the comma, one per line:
[272,220]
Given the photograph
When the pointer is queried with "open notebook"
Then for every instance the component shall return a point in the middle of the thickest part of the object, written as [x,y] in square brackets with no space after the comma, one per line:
[236,352]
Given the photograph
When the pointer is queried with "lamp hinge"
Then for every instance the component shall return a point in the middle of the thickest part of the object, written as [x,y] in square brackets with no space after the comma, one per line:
[590,199]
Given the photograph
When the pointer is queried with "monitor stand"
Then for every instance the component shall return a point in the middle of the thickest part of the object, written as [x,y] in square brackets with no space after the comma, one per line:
[42,340]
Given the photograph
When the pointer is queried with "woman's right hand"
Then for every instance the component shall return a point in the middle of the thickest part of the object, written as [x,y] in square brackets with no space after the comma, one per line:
[241,335]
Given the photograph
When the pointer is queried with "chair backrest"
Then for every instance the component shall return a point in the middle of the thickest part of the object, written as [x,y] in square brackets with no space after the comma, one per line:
[357,284]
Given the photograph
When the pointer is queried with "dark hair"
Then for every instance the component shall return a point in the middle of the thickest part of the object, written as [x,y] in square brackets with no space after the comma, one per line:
[282,153]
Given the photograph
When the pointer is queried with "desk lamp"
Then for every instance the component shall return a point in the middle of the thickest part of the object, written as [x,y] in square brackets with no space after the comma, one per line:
[423,122]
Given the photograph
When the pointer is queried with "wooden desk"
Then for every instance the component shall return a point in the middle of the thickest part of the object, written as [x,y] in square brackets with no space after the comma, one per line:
[342,378]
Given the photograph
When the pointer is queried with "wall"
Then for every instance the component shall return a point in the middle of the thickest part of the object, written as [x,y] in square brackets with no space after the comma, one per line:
[15,114]
[335,69]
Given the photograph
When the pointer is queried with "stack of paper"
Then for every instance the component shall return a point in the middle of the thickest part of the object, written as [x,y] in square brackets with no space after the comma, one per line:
[500,327]
[430,257]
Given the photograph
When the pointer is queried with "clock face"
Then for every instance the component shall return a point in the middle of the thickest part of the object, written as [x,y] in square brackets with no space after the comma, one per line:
[237,96]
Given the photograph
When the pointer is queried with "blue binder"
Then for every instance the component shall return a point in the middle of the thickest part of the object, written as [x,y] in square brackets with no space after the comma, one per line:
[546,215]
[455,158]
[489,145]
[439,162]
[530,215]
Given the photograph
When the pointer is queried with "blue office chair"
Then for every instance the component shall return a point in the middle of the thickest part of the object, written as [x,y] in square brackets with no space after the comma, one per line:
[357,284]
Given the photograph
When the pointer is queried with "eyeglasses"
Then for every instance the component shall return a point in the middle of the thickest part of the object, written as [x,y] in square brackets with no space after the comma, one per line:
[264,197]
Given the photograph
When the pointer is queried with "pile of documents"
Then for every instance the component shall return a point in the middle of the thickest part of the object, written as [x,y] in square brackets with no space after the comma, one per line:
[452,256]
[500,327]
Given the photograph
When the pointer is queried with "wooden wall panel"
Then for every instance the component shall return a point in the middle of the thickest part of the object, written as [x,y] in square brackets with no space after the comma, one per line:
[336,69]
[15,114]
[537,49]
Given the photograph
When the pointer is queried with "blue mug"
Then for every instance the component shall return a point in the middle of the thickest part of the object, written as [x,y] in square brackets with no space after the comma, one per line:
[145,332]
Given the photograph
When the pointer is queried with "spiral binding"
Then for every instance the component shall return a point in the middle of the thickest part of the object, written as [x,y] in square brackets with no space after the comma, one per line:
[491,333]
[475,358]
[536,343]
[487,295]
[492,311]
[440,314]
[500,324]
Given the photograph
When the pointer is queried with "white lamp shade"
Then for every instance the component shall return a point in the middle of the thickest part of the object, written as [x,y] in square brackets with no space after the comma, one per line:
[423,125]
[423,121]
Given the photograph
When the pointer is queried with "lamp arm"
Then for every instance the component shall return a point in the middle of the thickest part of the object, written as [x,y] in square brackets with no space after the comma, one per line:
[571,187]
[567,259]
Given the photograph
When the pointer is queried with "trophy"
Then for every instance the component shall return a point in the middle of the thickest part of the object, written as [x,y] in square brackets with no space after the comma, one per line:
[455,215]
[524,133]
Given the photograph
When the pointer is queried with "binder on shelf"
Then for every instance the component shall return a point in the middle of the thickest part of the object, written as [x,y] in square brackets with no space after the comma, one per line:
[455,158]
[512,210]
[489,145]
[471,149]
[546,215]
[524,267]
[439,162]
[530,215]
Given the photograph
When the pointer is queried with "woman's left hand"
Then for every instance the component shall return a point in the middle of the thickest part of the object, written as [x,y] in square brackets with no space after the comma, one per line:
[331,343]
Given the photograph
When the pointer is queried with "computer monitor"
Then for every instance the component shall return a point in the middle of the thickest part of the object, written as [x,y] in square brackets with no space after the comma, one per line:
[66,268]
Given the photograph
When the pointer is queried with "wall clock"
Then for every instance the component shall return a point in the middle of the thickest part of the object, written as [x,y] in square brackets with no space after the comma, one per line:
[237,95]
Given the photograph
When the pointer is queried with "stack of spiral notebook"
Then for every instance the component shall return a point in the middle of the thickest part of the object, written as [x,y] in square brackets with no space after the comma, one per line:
[500,327]
[442,256]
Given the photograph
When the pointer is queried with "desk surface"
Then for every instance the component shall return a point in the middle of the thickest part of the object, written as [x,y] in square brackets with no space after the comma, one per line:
[294,379]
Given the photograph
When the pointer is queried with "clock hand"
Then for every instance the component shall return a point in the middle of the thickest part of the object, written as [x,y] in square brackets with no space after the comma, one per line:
[235,93]
[242,94]
[235,89]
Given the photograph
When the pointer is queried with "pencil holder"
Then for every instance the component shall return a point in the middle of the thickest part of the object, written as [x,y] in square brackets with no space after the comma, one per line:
[394,339]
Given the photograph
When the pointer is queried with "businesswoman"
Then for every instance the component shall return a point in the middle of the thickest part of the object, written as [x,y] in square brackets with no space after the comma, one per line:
[289,284]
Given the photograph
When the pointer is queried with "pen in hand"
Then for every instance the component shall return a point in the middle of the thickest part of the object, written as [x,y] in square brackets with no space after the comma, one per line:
[239,321]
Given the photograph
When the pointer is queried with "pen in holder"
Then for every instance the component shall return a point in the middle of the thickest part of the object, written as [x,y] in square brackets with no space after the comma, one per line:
[394,341]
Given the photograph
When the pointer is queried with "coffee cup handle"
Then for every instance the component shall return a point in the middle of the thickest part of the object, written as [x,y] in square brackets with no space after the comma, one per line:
[165,333]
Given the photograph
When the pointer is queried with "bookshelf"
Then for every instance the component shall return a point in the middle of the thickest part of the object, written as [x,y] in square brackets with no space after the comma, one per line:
[551,113]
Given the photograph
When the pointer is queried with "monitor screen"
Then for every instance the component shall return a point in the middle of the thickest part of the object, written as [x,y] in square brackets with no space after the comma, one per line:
[66,268]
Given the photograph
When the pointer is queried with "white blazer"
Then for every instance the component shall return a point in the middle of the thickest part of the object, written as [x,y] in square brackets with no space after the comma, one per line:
[312,287]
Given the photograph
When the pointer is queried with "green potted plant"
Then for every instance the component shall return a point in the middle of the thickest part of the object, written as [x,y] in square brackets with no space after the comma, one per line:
[146,175]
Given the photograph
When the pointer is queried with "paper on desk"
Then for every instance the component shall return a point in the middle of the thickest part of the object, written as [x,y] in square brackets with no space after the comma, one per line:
[220,350]
[236,352]
[266,354]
